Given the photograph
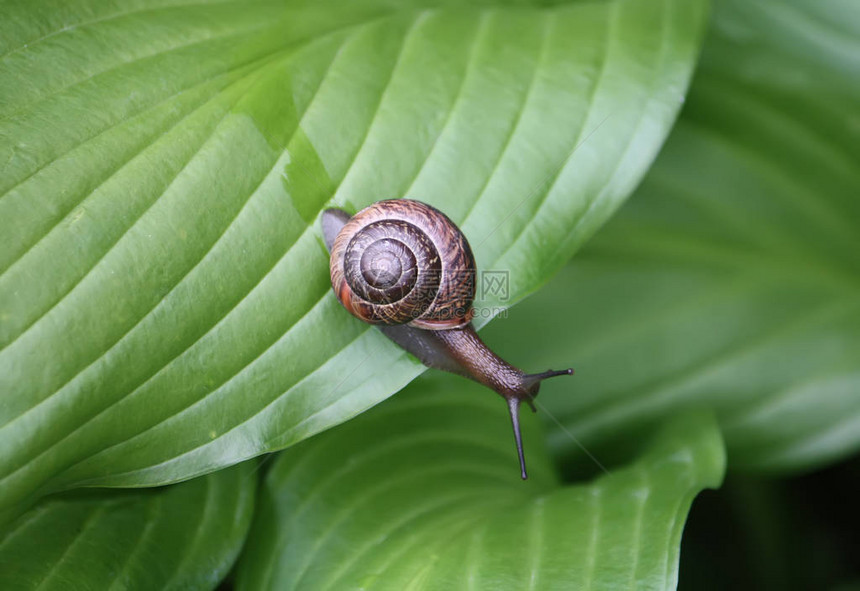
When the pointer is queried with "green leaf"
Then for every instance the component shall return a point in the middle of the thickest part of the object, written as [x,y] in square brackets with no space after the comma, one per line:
[184,536]
[424,492]
[732,278]
[165,307]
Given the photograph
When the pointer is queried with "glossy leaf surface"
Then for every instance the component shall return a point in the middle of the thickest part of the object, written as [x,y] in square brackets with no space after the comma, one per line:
[184,536]
[164,301]
[424,492]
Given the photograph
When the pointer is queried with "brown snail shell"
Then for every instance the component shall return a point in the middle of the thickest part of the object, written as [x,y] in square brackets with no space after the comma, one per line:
[405,266]
[402,261]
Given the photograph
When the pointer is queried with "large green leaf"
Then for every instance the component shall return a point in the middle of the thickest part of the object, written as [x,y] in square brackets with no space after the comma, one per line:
[184,536]
[423,492]
[732,278]
[164,302]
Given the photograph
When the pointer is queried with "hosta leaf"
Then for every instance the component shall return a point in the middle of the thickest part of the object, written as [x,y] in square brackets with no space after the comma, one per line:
[184,536]
[423,492]
[164,298]
[732,278]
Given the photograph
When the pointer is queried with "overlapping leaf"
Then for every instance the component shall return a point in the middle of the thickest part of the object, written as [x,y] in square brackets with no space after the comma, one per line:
[423,492]
[184,536]
[732,278]
[164,299]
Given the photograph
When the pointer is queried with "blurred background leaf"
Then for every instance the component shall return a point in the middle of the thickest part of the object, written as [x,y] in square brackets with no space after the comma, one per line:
[423,493]
[185,536]
[732,278]
[165,307]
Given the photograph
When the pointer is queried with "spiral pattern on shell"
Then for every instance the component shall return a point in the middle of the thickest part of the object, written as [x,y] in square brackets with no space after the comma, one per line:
[402,261]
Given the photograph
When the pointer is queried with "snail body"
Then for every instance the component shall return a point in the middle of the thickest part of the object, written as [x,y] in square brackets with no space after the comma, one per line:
[406,267]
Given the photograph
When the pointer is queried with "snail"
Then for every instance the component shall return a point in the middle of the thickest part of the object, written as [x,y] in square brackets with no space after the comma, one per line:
[406,267]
